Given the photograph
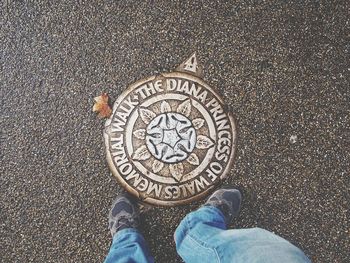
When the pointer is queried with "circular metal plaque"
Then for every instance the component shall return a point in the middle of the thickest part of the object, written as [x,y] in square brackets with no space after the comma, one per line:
[169,140]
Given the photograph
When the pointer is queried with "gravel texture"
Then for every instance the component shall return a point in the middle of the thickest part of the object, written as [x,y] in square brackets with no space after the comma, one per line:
[283,68]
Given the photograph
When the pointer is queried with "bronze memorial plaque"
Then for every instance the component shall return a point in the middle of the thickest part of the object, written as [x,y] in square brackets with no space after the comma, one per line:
[169,140]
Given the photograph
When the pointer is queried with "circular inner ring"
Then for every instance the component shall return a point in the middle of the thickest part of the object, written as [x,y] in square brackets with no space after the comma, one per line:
[170,137]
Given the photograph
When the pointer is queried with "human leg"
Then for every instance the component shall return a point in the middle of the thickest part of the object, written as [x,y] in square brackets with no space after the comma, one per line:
[202,236]
[128,244]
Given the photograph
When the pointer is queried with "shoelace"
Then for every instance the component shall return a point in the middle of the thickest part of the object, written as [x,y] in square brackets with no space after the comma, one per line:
[125,221]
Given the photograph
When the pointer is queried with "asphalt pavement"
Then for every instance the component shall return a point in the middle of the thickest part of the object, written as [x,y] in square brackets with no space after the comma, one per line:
[282,68]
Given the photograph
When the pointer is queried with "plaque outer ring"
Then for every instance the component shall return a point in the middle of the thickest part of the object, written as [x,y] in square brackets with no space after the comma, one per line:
[153,201]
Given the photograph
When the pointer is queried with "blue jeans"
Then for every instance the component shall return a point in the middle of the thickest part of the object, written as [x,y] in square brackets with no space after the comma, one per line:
[202,237]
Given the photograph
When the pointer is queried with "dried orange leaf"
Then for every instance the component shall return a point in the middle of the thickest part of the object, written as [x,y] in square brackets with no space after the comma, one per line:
[101,106]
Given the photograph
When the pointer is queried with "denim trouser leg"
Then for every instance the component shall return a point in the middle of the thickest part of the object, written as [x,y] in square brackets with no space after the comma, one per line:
[202,237]
[128,246]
